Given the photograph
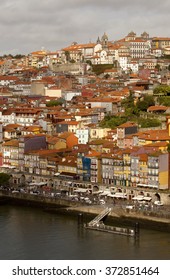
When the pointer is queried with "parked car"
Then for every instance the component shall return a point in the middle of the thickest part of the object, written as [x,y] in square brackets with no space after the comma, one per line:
[102,201]
[130,207]
[15,191]
[158,202]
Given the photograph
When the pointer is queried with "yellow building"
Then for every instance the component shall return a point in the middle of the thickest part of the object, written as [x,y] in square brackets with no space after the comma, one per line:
[126,164]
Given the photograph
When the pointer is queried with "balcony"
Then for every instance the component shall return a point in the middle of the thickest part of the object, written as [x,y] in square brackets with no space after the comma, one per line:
[153,166]
[153,174]
[93,167]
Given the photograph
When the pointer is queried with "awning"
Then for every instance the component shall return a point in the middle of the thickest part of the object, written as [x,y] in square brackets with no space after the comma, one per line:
[147,198]
[139,197]
[120,195]
[57,174]
[32,184]
[142,185]
[98,192]
[67,174]
[41,183]
[110,195]
[81,190]
[105,193]
[38,184]
[152,186]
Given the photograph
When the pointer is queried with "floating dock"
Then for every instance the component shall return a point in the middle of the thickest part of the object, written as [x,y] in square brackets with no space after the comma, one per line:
[97,224]
[111,229]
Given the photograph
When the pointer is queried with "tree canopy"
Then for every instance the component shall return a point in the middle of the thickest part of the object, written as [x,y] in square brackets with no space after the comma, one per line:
[164,100]
[147,101]
[162,90]
[53,103]
[4,178]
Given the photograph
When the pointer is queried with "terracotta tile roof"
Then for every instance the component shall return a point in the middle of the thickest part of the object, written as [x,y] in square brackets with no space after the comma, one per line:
[155,135]
[157,108]
[127,124]
[160,39]
[143,157]
[13,143]
[78,47]
[93,153]
[157,144]
[97,142]
[69,122]
[65,135]
[8,78]
[13,126]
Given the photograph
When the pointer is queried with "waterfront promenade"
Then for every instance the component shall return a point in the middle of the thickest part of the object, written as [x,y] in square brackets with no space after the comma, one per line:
[157,218]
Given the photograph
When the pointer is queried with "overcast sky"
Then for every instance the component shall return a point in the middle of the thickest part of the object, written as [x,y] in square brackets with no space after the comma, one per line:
[29,25]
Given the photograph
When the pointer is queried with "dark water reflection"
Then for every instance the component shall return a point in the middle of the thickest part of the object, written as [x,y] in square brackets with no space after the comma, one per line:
[33,234]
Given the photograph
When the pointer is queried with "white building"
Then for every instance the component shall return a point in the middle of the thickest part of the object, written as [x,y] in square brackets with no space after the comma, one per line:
[7,116]
[82,135]
[68,95]
[123,61]
[134,66]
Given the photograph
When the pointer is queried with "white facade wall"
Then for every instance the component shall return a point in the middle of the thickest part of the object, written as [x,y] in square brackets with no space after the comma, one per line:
[82,135]
[25,121]
[133,67]
[123,61]
[69,95]
[6,119]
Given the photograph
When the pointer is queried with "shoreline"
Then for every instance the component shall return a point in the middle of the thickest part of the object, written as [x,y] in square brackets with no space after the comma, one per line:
[60,206]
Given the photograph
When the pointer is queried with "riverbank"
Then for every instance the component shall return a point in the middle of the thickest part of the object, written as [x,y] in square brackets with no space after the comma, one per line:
[118,216]
[121,217]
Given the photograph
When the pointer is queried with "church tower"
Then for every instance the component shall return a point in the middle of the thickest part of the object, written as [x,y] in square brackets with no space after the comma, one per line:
[98,40]
[104,41]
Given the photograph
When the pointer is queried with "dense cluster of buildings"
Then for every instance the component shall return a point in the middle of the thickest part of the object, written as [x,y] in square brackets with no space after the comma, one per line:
[42,143]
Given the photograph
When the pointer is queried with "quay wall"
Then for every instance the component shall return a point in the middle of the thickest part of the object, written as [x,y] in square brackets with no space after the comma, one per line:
[66,207]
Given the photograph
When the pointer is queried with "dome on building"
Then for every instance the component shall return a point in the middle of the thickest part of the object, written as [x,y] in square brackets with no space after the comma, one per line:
[104,37]
[132,34]
[145,35]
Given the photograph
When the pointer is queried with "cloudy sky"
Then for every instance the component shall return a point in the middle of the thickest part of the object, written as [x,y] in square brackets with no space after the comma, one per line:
[29,25]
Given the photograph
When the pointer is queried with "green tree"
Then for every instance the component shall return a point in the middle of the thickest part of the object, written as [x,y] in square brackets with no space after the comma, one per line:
[53,103]
[130,108]
[4,178]
[18,56]
[161,90]
[145,123]
[112,121]
[142,105]
[164,100]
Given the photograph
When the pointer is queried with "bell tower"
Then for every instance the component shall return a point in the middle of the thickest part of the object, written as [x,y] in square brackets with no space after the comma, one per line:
[104,41]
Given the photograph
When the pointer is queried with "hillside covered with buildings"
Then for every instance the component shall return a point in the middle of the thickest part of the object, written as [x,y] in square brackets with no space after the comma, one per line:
[93,115]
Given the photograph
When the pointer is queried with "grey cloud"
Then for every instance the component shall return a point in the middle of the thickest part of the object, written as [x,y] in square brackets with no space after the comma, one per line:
[26,25]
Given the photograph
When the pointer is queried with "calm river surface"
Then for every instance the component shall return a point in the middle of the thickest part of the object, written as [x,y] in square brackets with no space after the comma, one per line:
[32,234]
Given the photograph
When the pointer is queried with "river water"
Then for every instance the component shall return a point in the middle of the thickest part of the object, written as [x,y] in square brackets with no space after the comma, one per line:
[32,234]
